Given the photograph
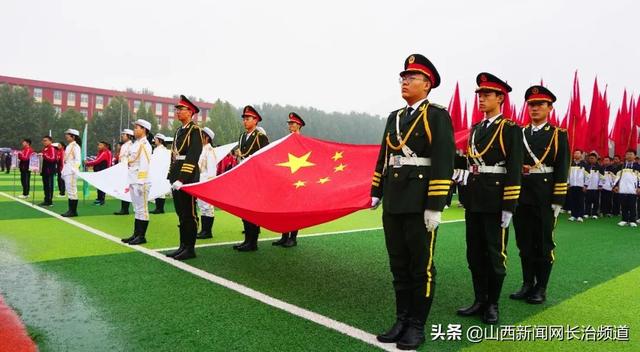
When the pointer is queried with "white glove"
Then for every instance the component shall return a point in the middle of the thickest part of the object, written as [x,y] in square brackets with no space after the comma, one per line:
[556,209]
[506,218]
[176,186]
[375,203]
[432,219]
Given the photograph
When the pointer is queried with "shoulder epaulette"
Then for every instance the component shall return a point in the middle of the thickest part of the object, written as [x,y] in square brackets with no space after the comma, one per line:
[437,106]
[510,123]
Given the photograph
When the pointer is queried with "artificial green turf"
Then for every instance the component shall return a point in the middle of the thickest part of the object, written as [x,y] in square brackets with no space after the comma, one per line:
[343,276]
[346,277]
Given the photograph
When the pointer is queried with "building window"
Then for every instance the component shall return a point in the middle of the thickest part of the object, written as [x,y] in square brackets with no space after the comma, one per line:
[158,108]
[37,94]
[99,101]
[160,121]
[170,123]
[57,97]
[57,109]
[99,113]
[136,105]
[170,110]
[84,113]
[84,100]
[147,106]
[71,99]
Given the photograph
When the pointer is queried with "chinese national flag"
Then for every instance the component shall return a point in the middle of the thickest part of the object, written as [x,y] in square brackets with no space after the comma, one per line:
[293,183]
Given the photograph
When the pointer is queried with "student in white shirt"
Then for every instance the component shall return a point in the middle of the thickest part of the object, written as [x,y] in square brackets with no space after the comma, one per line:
[626,185]
[577,187]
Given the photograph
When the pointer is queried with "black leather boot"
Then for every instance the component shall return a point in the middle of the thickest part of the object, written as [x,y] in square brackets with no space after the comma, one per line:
[252,242]
[413,336]
[480,291]
[282,240]
[188,253]
[159,206]
[528,278]
[207,224]
[136,227]
[539,294]
[69,212]
[403,300]
[142,232]
[292,241]
[177,251]
[124,208]
[491,314]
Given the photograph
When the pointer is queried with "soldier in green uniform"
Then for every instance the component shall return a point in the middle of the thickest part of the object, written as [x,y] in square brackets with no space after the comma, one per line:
[544,187]
[185,152]
[250,142]
[412,178]
[494,156]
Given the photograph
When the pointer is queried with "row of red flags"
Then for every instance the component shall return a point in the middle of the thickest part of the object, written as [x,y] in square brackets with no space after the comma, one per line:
[588,130]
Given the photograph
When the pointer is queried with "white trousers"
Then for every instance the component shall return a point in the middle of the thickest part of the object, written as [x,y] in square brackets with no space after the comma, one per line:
[139,199]
[206,209]
[71,186]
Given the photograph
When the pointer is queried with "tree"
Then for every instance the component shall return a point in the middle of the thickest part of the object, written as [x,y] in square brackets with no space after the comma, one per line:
[224,120]
[107,126]
[17,116]
[68,119]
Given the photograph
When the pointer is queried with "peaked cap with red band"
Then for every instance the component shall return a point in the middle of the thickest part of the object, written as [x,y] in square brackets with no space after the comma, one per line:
[188,104]
[295,118]
[419,63]
[539,93]
[252,112]
[489,82]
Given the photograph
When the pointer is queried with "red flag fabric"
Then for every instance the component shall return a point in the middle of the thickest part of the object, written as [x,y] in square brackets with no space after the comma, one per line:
[476,114]
[455,110]
[293,183]
[461,138]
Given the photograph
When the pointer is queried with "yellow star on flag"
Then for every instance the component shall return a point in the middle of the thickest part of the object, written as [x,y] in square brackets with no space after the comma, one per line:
[296,163]
[339,168]
[337,156]
[300,184]
[324,180]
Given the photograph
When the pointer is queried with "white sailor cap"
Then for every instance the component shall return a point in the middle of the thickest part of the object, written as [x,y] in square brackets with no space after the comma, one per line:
[73,132]
[160,136]
[143,123]
[127,131]
[209,132]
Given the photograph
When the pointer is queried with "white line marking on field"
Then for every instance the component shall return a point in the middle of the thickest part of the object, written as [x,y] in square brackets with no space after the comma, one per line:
[244,290]
[300,236]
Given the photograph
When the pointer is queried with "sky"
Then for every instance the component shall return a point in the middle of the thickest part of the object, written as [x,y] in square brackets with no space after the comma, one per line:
[333,55]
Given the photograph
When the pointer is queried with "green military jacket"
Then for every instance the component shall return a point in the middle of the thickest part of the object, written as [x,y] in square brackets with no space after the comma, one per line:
[428,133]
[498,145]
[550,146]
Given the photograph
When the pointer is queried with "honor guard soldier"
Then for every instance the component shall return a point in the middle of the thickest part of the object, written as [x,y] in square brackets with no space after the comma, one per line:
[207,165]
[159,141]
[412,179]
[290,239]
[494,156]
[250,142]
[72,161]
[544,187]
[185,152]
[139,182]
[126,138]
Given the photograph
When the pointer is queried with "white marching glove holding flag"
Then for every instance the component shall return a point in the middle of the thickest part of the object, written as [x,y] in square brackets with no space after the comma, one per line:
[556,209]
[432,219]
[375,203]
[506,218]
[176,185]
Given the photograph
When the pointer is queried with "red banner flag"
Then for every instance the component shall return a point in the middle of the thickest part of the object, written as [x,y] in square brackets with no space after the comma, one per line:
[295,182]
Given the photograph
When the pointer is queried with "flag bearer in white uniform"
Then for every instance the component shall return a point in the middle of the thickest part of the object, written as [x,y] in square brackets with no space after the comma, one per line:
[126,137]
[139,182]
[72,160]
[159,140]
[207,165]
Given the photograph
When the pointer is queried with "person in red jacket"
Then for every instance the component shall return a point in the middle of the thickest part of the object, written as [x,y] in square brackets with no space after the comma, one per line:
[60,159]
[49,166]
[100,163]
[25,173]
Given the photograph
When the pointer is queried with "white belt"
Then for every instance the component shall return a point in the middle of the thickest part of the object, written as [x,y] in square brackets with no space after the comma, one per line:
[181,157]
[398,161]
[484,169]
[541,170]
